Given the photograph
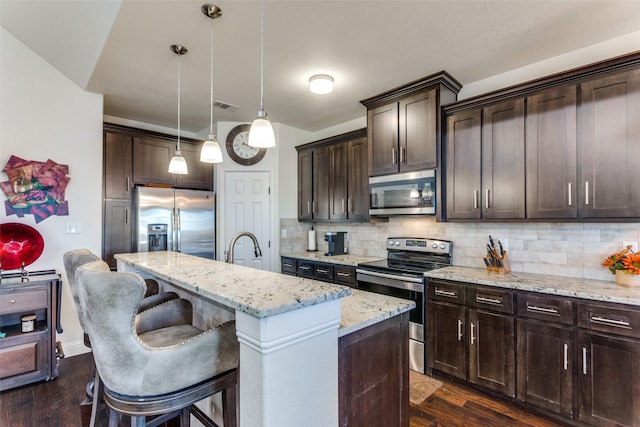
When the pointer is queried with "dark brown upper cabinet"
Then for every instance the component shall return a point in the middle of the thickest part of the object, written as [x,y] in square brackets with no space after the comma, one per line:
[332,178]
[576,158]
[551,159]
[403,125]
[610,145]
[463,161]
[503,160]
[485,162]
[118,183]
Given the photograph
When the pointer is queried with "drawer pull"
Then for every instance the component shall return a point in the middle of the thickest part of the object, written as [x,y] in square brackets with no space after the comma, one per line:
[584,360]
[611,322]
[536,309]
[13,301]
[566,356]
[341,274]
[487,300]
[321,271]
[305,267]
[288,265]
[459,330]
[446,293]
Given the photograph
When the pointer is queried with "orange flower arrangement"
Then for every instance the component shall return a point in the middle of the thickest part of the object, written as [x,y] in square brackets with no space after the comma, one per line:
[625,260]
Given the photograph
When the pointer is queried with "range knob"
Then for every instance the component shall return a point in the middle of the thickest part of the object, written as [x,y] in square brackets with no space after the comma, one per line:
[443,246]
[390,242]
[397,242]
[434,245]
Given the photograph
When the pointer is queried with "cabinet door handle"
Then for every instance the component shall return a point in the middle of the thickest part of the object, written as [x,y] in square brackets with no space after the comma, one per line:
[611,322]
[403,157]
[569,193]
[341,274]
[126,216]
[584,360]
[127,186]
[349,207]
[393,156]
[459,330]
[475,199]
[321,271]
[486,198]
[309,206]
[566,356]
[473,336]
[487,300]
[586,193]
[535,308]
[445,293]
[314,210]
[13,301]
[342,205]
[287,264]
[305,267]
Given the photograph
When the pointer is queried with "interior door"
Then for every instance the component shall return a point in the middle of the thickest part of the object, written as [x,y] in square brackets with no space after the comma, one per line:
[247,208]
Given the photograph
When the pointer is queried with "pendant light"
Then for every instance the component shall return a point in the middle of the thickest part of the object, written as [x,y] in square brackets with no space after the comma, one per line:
[211,152]
[178,165]
[261,133]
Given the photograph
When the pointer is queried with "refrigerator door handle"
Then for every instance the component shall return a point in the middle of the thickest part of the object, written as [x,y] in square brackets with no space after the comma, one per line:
[178,229]
[173,229]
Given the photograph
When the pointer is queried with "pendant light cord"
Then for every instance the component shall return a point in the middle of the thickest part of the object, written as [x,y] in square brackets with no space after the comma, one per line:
[178,146]
[261,53]
[211,94]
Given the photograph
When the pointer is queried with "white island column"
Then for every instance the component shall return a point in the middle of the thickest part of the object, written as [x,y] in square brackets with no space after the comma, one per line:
[289,367]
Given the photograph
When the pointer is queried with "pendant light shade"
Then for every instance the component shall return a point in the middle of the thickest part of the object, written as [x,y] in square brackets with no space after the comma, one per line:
[211,152]
[178,164]
[261,133]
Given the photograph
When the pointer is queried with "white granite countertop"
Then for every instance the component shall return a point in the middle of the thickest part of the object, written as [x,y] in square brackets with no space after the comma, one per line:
[362,309]
[256,292]
[347,259]
[598,290]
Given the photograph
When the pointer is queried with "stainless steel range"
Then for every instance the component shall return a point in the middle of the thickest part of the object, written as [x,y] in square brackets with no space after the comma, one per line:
[401,275]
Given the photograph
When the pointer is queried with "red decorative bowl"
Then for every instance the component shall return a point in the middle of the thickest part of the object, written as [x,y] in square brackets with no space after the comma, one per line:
[20,245]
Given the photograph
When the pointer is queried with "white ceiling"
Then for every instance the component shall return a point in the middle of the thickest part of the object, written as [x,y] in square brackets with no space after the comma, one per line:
[121,49]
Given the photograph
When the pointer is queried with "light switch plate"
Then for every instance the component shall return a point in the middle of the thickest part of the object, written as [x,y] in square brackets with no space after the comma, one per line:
[73,227]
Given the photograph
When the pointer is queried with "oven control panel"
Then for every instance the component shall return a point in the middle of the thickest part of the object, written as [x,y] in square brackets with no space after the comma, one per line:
[419,245]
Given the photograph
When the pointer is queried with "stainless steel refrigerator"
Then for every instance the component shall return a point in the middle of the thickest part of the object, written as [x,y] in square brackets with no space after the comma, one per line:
[176,220]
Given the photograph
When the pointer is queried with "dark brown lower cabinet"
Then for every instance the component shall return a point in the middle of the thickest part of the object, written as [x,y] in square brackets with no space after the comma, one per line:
[373,375]
[492,351]
[609,380]
[545,366]
[473,344]
[117,230]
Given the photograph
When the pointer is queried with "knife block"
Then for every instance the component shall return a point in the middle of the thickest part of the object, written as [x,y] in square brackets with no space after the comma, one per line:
[506,267]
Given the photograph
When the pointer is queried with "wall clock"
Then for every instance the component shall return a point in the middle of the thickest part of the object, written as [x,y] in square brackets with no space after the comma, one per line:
[237,146]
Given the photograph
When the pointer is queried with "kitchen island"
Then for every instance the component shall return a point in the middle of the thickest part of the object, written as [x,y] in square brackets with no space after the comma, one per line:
[289,330]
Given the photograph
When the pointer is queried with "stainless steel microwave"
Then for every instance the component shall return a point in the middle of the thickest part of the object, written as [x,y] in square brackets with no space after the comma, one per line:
[411,193]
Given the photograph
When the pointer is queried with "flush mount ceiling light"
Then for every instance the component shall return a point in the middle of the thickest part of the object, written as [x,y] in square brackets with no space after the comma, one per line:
[261,133]
[321,84]
[211,152]
[178,164]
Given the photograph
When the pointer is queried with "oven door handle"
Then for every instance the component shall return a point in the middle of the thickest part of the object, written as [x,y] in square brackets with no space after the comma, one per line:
[391,276]
[399,282]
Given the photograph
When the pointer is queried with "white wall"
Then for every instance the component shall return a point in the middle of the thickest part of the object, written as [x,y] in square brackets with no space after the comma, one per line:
[43,115]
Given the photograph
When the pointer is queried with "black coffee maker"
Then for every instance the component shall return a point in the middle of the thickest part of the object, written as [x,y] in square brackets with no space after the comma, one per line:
[337,242]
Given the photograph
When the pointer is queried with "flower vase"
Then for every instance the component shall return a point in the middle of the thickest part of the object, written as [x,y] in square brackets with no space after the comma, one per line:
[626,279]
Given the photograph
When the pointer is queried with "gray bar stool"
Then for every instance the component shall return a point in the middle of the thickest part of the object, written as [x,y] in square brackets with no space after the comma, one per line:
[161,372]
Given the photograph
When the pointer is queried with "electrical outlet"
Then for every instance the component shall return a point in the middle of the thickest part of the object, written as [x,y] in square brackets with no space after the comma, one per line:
[634,245]
[283,233]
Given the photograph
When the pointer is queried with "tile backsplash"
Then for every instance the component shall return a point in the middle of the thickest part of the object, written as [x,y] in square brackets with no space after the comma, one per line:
[561,249]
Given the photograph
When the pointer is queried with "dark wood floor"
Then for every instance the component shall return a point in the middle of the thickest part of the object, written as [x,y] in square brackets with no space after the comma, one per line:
[57,404]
